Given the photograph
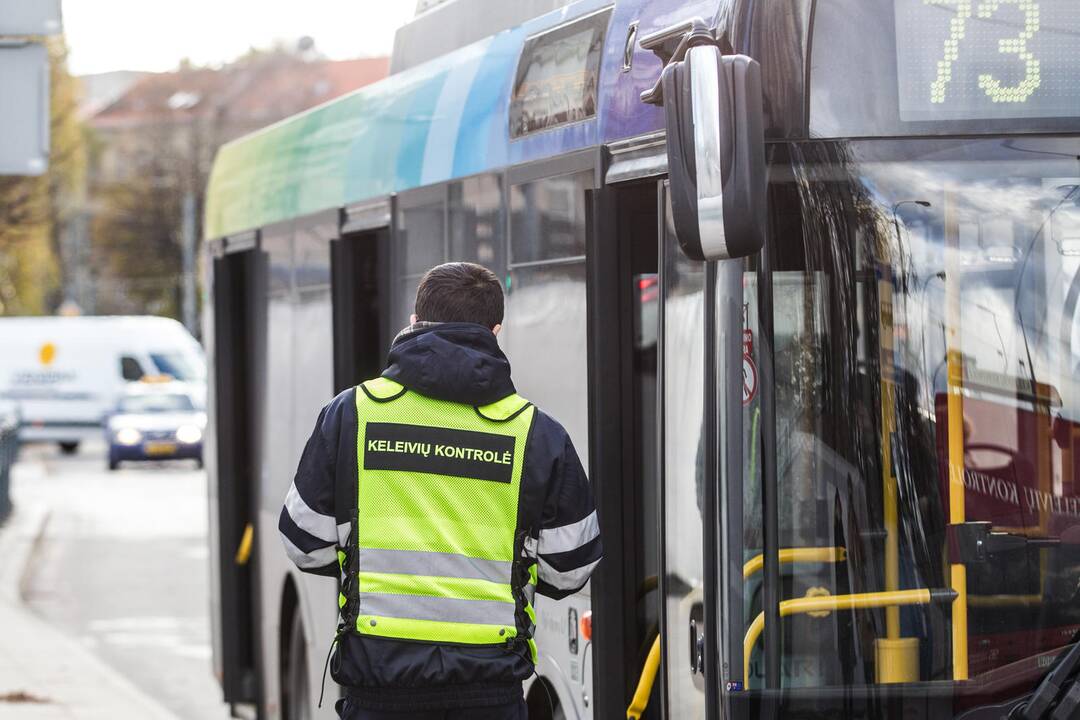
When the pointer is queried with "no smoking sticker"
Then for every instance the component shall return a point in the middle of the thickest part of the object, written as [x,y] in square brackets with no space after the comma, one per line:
[749,380]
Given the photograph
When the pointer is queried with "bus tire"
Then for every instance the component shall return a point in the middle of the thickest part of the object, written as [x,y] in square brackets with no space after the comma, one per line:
[295,690]
[69,447]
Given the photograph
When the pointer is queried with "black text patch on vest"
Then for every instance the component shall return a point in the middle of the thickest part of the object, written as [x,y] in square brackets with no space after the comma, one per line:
[441,451]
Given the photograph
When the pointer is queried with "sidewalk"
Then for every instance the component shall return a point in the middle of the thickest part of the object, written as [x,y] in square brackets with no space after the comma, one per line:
[44,673]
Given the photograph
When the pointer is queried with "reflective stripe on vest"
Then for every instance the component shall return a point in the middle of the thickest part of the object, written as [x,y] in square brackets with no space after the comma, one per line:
[437,507]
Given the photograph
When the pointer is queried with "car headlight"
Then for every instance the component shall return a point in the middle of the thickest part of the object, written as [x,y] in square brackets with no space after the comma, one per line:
[188,434]
[128,436]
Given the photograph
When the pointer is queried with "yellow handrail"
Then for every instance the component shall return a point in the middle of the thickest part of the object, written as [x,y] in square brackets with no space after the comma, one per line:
[954,361]
[243,552]
[890,510]
[797,555]
[645,683]
[1000,601]
[859,601]
[1008,600]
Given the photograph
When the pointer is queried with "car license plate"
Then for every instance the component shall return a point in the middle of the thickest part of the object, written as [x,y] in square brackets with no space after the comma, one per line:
[160,448]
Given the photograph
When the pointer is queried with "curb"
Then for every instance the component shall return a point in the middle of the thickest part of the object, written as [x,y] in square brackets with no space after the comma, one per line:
[78,684]
[33,552]
[20,539]
[82,683]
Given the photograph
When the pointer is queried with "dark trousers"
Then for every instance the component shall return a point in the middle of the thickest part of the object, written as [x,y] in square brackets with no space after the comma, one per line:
[514,711]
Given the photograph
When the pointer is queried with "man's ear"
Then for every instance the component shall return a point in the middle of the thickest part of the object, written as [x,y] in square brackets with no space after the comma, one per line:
[496,329]
[413,319]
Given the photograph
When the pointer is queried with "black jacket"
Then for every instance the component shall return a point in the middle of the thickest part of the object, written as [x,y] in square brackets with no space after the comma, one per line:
[463,363]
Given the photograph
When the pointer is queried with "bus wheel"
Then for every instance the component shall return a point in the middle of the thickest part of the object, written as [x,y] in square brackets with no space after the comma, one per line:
[296,693]
[69,448]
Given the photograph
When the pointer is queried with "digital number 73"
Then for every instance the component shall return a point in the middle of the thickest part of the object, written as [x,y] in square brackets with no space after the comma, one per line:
[1008,46]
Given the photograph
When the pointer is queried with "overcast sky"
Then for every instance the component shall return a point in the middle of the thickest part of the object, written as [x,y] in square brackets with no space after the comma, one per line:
[155,35]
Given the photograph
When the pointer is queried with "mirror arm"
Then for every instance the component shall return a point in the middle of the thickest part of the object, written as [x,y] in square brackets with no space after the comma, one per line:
[664,42]
[693,33]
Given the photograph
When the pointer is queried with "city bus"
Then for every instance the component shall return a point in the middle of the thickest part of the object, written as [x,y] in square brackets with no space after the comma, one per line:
[830,418]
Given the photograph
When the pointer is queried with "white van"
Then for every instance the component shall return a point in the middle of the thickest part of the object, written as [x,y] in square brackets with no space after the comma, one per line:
[66,373]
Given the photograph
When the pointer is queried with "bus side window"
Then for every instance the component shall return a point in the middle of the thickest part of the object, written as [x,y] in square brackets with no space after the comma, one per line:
[130,369]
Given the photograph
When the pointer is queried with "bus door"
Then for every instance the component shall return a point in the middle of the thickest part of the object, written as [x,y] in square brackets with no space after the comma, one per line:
[231,468]
[359,266]
[624,317]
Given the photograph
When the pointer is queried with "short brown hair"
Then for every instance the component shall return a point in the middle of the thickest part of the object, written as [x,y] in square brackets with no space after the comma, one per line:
[460,292]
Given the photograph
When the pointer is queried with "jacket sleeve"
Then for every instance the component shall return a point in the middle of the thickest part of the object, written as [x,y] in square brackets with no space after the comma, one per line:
[308,527]
[568,547]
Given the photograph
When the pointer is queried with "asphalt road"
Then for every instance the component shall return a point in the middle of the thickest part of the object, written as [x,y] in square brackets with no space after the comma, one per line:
[124,568]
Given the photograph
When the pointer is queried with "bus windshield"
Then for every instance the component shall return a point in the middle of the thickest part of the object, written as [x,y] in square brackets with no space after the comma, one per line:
[925,350]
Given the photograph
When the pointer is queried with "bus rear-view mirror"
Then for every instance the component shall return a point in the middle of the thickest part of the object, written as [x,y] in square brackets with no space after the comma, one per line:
[716,153]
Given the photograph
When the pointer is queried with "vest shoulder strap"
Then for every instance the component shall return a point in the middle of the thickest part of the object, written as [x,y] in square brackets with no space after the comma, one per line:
[504,410]
[382,389]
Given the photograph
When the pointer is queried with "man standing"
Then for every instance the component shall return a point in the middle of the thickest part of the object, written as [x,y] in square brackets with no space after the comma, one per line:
[444,501]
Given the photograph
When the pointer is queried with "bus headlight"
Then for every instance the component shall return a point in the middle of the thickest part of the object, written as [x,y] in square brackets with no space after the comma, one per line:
[188,434]
[128,436]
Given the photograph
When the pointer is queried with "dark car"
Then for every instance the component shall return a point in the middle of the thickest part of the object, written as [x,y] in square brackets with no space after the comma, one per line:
[156,423]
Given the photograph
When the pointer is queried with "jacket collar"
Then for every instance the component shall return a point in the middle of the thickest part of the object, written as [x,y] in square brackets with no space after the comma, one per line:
[458,362]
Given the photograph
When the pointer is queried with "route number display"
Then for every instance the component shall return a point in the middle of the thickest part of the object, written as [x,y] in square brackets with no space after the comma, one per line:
[976,59]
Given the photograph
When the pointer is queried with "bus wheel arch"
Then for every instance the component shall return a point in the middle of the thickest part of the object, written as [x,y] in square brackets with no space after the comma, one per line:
[295,689]
[544,705]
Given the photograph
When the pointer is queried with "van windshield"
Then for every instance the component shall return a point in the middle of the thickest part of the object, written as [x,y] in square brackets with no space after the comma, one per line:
[180,366]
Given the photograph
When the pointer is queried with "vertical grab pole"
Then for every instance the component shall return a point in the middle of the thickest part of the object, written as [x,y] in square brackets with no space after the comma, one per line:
[955,373]
[888,427]
[896,658]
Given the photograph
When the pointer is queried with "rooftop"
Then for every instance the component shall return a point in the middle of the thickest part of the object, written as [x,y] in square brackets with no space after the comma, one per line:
[257,90]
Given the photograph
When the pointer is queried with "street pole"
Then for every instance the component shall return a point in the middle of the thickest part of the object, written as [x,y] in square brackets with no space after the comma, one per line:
[84,288]
[188,240]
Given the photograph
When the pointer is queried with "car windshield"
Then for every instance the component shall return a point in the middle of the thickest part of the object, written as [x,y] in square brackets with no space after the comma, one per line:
[183,367]
[925,353]
[162,403]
